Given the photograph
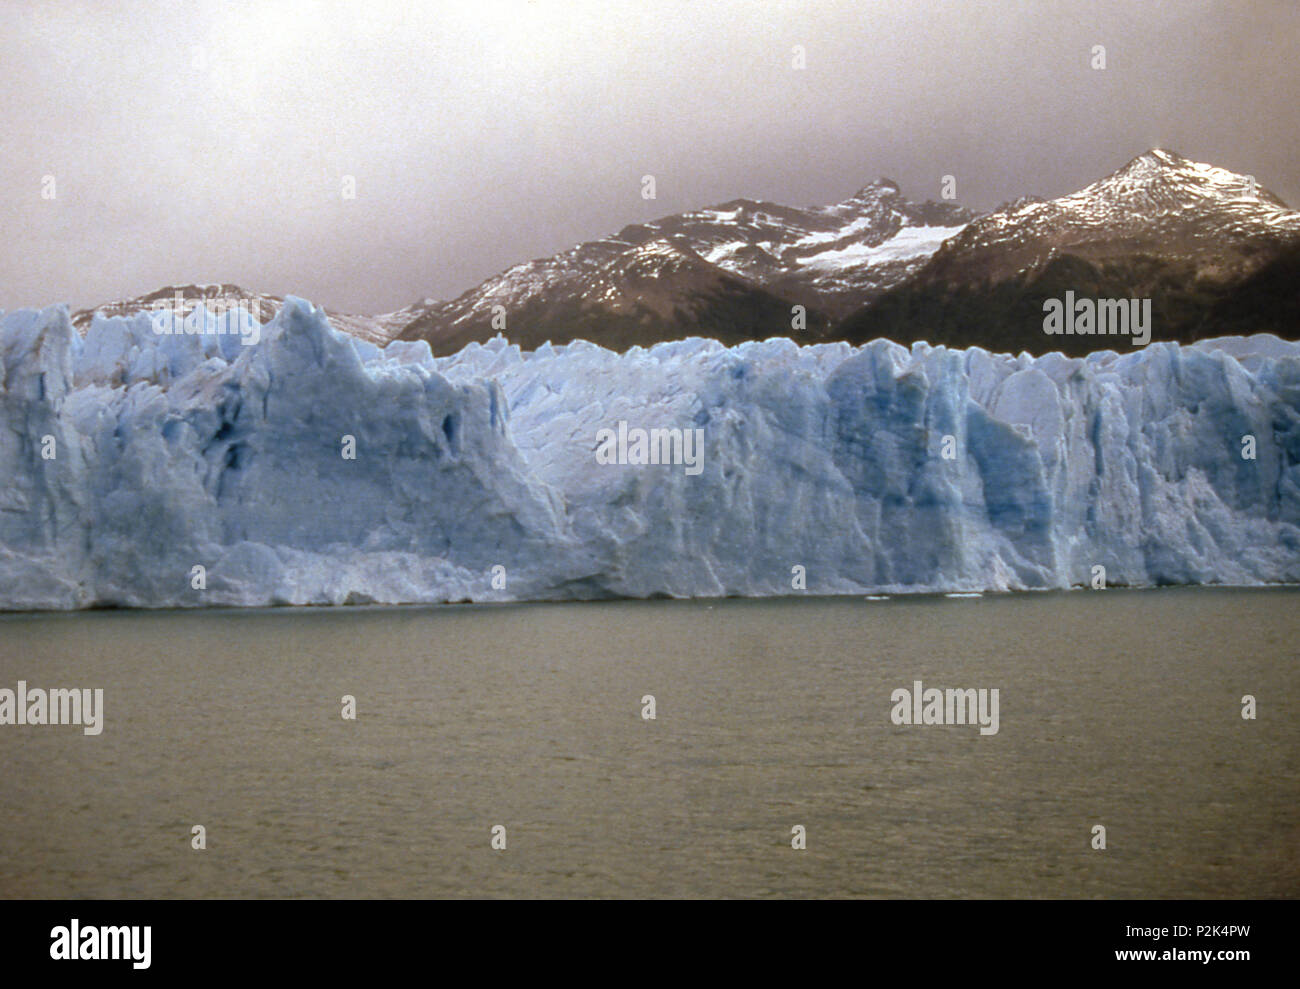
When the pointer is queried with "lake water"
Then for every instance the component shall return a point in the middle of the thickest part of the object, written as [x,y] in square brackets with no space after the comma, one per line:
[1119,708]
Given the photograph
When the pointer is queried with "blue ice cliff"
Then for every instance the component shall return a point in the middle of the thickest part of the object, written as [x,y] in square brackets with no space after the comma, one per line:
[192,469]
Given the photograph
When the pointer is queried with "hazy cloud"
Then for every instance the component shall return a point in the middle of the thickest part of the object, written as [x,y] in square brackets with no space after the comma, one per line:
[208,141]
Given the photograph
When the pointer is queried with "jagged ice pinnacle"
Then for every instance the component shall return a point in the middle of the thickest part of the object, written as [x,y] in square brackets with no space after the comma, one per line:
[171,452]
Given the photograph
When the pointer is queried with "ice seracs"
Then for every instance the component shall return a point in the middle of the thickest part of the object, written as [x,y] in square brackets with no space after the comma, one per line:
[132,458]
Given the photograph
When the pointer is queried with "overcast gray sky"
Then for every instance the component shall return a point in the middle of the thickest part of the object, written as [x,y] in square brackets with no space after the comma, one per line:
[209,141]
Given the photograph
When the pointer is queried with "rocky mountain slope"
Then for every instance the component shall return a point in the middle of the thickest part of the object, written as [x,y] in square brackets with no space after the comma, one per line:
[1214,253]
[731,272]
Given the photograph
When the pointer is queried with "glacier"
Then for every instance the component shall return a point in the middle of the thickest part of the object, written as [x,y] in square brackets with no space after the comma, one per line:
[132,458]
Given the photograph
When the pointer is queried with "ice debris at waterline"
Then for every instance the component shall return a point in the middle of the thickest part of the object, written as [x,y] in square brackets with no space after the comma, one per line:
[130,459]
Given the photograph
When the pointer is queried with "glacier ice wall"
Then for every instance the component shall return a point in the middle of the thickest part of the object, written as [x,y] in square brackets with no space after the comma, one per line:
[129,458]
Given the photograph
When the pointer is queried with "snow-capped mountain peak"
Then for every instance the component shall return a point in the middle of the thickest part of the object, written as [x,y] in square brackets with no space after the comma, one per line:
[1159,204]
[829,259]
[1213,251]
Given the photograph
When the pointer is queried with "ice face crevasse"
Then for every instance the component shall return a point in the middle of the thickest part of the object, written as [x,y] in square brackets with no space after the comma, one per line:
[131,458]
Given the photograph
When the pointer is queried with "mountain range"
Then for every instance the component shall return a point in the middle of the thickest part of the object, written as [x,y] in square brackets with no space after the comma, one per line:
[1215,252]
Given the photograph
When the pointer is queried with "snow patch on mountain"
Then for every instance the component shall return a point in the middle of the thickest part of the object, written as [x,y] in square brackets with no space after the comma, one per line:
[910,243]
